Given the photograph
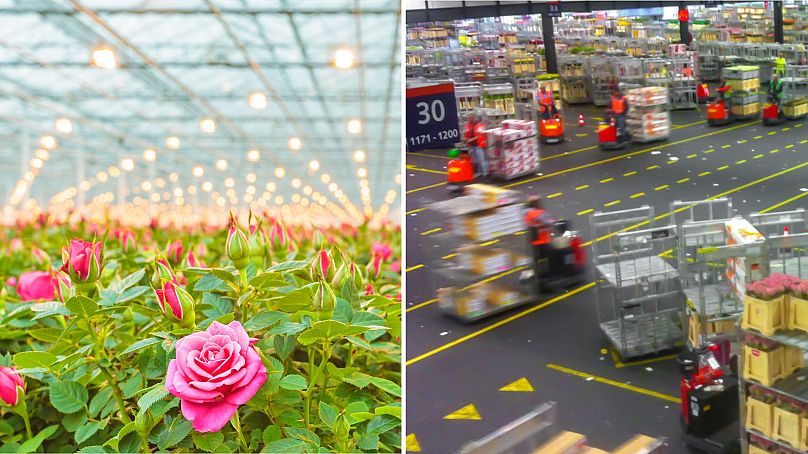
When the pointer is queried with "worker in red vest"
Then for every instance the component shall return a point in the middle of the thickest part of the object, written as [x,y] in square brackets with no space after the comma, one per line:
[546,102]
[619,110]
[474,134]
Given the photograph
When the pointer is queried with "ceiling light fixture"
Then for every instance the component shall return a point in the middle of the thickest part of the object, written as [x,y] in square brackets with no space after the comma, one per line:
[64,125]
[359,156]
[343,58]
[258,100]
[104,57]
[253,155]
[354,126]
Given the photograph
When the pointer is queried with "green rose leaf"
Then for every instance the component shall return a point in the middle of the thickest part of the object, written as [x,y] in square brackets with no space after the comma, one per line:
[287,266]
[328,415]
[81,305]
[143,343]
[174,433]
[30,360]
[86,431]
[67,396]
[294,301]
[328,329]
[303,434]
[294,383]
[34,443]
[284,345]
[386,386]
[264,320]
[157,392]
[289,445]
[271,433]
[208,441]
[93,450]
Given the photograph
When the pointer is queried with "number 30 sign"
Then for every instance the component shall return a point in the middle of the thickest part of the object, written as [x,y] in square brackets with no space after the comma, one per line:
[431,117]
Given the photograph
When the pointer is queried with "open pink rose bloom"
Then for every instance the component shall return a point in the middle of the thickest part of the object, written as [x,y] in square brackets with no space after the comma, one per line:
[214,372]
[35,285]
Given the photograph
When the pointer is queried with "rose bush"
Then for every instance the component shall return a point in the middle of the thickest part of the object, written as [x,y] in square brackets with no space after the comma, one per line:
[255,336]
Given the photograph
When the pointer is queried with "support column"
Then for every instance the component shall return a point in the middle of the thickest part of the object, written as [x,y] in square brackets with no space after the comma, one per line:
[778,21]
[549,43]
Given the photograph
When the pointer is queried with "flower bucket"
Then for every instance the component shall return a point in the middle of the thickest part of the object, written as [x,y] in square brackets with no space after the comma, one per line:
[786,426]
[793,360]
[765,367]
[797,313]
[759,416]
[765,316]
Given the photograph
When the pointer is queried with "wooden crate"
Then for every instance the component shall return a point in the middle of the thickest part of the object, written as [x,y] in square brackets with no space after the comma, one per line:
[797,313]
[765,316]
[759,416]
[564,443]
[763,367]
[786,427]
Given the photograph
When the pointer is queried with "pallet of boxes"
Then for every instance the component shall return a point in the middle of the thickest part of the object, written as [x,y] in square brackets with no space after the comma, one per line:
[648,118]
[774,387]
[513,149]
[574,443]
[744,81]
[485,230]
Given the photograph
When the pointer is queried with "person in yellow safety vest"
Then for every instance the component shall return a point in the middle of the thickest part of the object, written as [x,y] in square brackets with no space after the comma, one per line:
[780,65]
[546,102]
[619,110]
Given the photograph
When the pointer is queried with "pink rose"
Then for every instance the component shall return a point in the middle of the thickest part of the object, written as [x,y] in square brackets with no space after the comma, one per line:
[396,267]
[15,245]
[174,252]
[83,260]
[192,261]
[63,289]
[128,241]
[35,285]
[11,282]
[9,381]
[40,256]
[214,372]
[176,303]
[382,249]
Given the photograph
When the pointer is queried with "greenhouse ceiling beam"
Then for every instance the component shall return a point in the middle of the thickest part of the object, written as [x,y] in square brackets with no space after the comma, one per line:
[248,11]
[469,10]
[193,64]
[391,85]
[83,96]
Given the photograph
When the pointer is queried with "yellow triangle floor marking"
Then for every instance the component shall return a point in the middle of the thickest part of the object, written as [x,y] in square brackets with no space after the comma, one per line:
[412,444]
[521,385]
[467,412]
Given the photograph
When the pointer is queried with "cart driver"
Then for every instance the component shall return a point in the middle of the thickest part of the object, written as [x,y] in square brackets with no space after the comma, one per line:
[775,89]
[724,92]
[686,71]
[474,134]
[619,110]
[546,102]
[780,64]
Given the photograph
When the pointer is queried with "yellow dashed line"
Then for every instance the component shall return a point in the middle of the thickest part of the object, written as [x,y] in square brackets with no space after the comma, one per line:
[710,150]
[428,232]
[555,195]
[659,188]
[672,161]
[489,243]
[786,129]
[742,161]
[606,381]
[639,194]
[742,141]
[725,146]
[776,150]
[757,137]
[581,213]
[757,156]
[683,180]
[651,167]
[691,156]
[607,180]
[798,125]
[804,141]
[704,174]
[771,133]
[581,187]
[418,210]
[630,174]
[612,203]
[790,146]
[447,257]
[414,267]
[723,168]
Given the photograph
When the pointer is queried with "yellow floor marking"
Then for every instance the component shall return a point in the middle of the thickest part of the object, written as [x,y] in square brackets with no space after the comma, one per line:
[798,125]
[603,351]
[742,161]
[597,118]
[468,412]
[414,267]
[726,146]
[521,385]
[427,155]
[803,140]
[757,156]
[429,232]
[683,180]
[567,153]
[420,169]
[449,256]
[581,213]
[757,137]
[619,364]
[555,195]
[626,155]
[502,322]
[417,210]
[581,134]
[607,180]
[674,161]
[628,174]
[688,125]
[723,168]
[612,203]
[489,243]
[771,133]
[521,233]
[651,167]
[784,202]
[659,188]
[492,278]
[742,141]
[581,187]
[691,156]
[776,150]
[786,129]
[711,150]
[412,444]
[426,187]
[704,174]
[639,194]
[789,146]
[618,384]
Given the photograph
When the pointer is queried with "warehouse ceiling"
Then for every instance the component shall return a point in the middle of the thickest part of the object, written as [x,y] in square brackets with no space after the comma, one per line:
[183,67]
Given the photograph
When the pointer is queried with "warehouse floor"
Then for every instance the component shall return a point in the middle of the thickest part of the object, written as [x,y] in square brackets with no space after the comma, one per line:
[553,350]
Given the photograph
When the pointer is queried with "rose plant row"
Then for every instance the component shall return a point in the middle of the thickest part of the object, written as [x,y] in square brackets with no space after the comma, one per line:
[239,339]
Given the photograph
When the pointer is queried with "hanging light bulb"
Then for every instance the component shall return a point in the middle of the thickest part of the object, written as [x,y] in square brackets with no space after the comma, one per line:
[198,171]
[359,156]
[173,143]
[253,155]
[280,172]
[64,125]
[149,154]
[42,154]
[295,144]
[361,172]
[270,186]
[146,186]
[104,57]
[397,179]
[325,178]
[354,126]
[314,165]
[221,165]
[296,183]
[207,125]
[36,163]
[127,164]
[48,142]
[251,177]
[258,100]
[207,186]
[343,58]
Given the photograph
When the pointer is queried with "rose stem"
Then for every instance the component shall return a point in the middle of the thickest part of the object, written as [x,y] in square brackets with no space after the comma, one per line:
[314,377]
[237,425]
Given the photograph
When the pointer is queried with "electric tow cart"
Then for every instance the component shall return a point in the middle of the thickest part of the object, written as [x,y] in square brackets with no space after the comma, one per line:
[609,138]
[559,257]
[551,131]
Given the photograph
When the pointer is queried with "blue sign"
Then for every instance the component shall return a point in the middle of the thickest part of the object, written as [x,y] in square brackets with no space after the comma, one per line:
[432,117]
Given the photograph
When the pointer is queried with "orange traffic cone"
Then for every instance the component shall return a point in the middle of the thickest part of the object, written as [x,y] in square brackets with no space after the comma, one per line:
[581,120]
[611,122]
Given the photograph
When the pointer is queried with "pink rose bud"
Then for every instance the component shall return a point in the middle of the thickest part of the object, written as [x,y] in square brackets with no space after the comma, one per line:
[321,265]
[201,250]
[369,291]
[279,236]
[396,267]
[10,380]
[15,245]
[259,251]
[174,252]
[176,303]
[162,273]
[40,256]
[324,299]
[382,249]
[83,260]
[191,261]
[11,282]
[214,372]
[128,241]
[375,266]
[35,286]
[237,246]
[63,289]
